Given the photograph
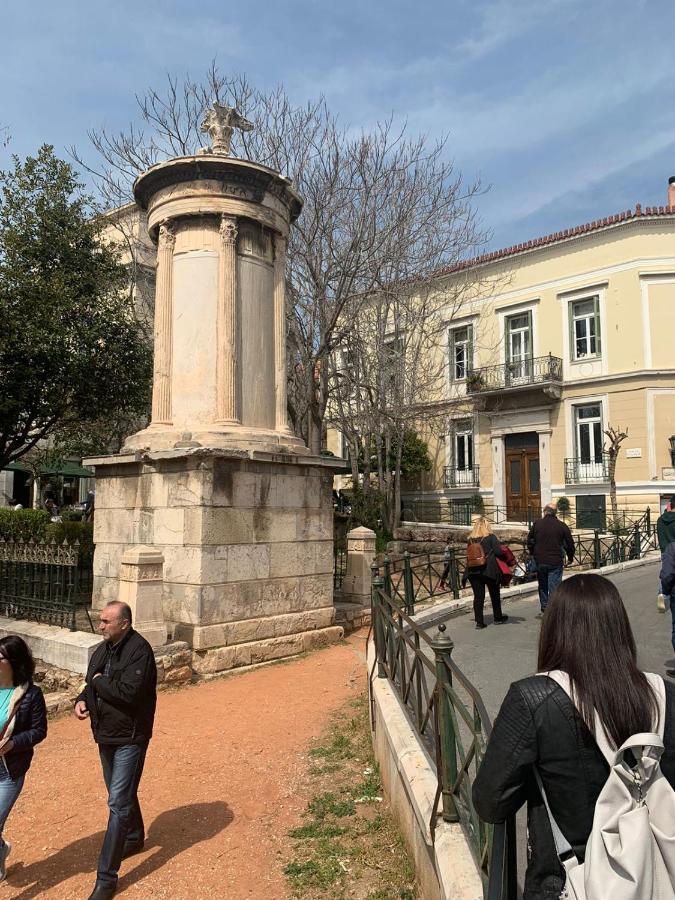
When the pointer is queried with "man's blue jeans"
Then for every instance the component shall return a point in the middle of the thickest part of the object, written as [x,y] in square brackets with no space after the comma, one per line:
[549,577]
[122,770]
[9,793]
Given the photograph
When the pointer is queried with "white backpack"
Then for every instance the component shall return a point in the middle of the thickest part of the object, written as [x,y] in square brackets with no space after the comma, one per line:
[630,853]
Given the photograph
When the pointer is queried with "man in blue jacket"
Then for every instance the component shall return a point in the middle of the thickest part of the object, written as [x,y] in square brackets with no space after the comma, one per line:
[120,698]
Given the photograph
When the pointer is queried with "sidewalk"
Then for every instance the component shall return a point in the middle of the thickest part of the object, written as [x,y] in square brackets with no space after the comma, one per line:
[219,793]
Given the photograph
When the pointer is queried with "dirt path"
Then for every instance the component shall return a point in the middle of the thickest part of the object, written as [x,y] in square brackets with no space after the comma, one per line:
[219,792]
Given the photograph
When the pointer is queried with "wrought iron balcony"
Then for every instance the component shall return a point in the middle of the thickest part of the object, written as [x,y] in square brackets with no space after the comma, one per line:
[578,471]
[453,477]
[544,372]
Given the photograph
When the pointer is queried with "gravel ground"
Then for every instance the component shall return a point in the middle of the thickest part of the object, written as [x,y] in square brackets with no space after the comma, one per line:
[221,788]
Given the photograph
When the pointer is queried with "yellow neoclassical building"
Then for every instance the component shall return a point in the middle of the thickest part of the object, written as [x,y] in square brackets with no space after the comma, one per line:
[565,335]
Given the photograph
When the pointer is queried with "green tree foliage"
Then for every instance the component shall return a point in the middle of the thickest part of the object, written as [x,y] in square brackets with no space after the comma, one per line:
[71,349]
[415,457]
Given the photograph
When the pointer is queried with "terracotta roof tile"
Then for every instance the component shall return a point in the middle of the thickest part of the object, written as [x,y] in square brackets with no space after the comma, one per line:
[588,227]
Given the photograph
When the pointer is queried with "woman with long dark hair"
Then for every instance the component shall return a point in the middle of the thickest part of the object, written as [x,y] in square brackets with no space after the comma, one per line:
[23,724]
[586,634]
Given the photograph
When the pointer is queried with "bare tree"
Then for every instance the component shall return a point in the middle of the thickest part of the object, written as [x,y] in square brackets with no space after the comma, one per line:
[615,438]
[380,207]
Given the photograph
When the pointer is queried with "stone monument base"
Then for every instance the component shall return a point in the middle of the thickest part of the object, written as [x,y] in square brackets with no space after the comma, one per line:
[246,538]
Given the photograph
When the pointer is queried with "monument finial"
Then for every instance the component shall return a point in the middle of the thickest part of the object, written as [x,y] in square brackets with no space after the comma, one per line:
[220,121]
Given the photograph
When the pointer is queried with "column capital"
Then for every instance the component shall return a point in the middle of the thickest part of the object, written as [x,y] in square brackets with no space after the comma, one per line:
[228,229]
[167,236]
[280,245]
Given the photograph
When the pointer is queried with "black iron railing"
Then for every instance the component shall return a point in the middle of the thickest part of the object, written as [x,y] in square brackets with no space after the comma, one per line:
[617,545]
[339,567]
[579,471]
[44,581]
[449,715]
[453,477]
[539,370]
[444,511]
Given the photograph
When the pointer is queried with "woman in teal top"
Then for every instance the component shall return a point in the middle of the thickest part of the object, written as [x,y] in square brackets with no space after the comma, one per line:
[23,724]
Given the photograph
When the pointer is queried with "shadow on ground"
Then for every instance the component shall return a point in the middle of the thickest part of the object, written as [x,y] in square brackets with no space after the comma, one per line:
[171,832]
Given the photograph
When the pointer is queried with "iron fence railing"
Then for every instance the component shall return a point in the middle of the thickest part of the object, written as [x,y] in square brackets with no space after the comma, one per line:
[445,511]
[539,370]
[454,477]
[339,567]
[44,581]
[579,471]
[605,549]
[449,715]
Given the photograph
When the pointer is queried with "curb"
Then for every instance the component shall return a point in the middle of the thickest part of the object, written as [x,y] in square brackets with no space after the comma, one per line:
[448,609]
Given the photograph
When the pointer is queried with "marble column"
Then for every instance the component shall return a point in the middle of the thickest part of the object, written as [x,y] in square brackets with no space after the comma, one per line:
[226,365]
[280,244]
[161,387]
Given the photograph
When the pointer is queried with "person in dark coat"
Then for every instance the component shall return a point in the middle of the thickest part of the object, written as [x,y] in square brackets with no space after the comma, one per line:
[549,541]
[23,724]
[585,633]
[667,576]
[487,576]
[119,697]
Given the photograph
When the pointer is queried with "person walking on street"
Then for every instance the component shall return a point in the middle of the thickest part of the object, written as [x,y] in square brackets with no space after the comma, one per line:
[549,541]
[482,571]
[23,724]
[667,576]
[665,533]
[119,697]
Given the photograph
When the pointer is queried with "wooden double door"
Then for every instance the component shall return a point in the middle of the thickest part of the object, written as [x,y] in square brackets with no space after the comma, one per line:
[523,487]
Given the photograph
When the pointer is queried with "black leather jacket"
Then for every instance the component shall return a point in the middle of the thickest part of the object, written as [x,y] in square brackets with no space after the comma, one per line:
[30,727]
[122,704]
[538,723]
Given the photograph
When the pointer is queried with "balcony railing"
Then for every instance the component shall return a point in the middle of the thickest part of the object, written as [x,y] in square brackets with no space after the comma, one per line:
[578,471]
[453,477]
[541,370]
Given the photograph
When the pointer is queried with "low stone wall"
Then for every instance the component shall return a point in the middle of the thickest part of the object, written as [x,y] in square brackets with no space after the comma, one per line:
[445,867]
[422,538]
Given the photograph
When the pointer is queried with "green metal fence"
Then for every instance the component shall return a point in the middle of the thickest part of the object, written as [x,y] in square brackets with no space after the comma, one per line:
[44,581]
[449,715]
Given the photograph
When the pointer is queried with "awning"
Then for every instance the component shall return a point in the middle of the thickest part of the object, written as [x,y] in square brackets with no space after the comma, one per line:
[62,467]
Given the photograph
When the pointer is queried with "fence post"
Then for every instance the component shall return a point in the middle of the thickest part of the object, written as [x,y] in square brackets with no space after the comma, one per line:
[387,576]
[447,740]
[649,520]
[454,574]
[597,561]
[637,549]
[408,589]
[378,624]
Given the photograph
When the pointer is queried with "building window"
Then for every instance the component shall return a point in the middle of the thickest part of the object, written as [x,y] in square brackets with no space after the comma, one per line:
[589,440]
[462,446]
[585,328]
[519,345]
[461,352]
[394,367]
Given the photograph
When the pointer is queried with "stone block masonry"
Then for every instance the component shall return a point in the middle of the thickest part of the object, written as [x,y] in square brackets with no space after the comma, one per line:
[246,540]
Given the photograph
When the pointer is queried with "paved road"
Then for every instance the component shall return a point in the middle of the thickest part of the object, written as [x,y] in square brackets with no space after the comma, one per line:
[500,654]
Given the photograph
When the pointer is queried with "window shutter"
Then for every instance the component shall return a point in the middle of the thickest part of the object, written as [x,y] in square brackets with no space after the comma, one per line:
[529,328]
[598,344]
[507,338]
[451,351]
[570,319]
[469,349]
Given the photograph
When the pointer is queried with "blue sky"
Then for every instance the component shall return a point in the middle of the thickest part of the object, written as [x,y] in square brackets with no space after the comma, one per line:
[563,107]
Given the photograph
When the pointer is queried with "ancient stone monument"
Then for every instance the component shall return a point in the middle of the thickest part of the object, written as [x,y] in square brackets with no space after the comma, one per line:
[217,490]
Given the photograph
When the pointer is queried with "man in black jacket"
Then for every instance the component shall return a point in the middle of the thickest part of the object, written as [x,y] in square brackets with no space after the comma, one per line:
[119,697]
[549,541]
